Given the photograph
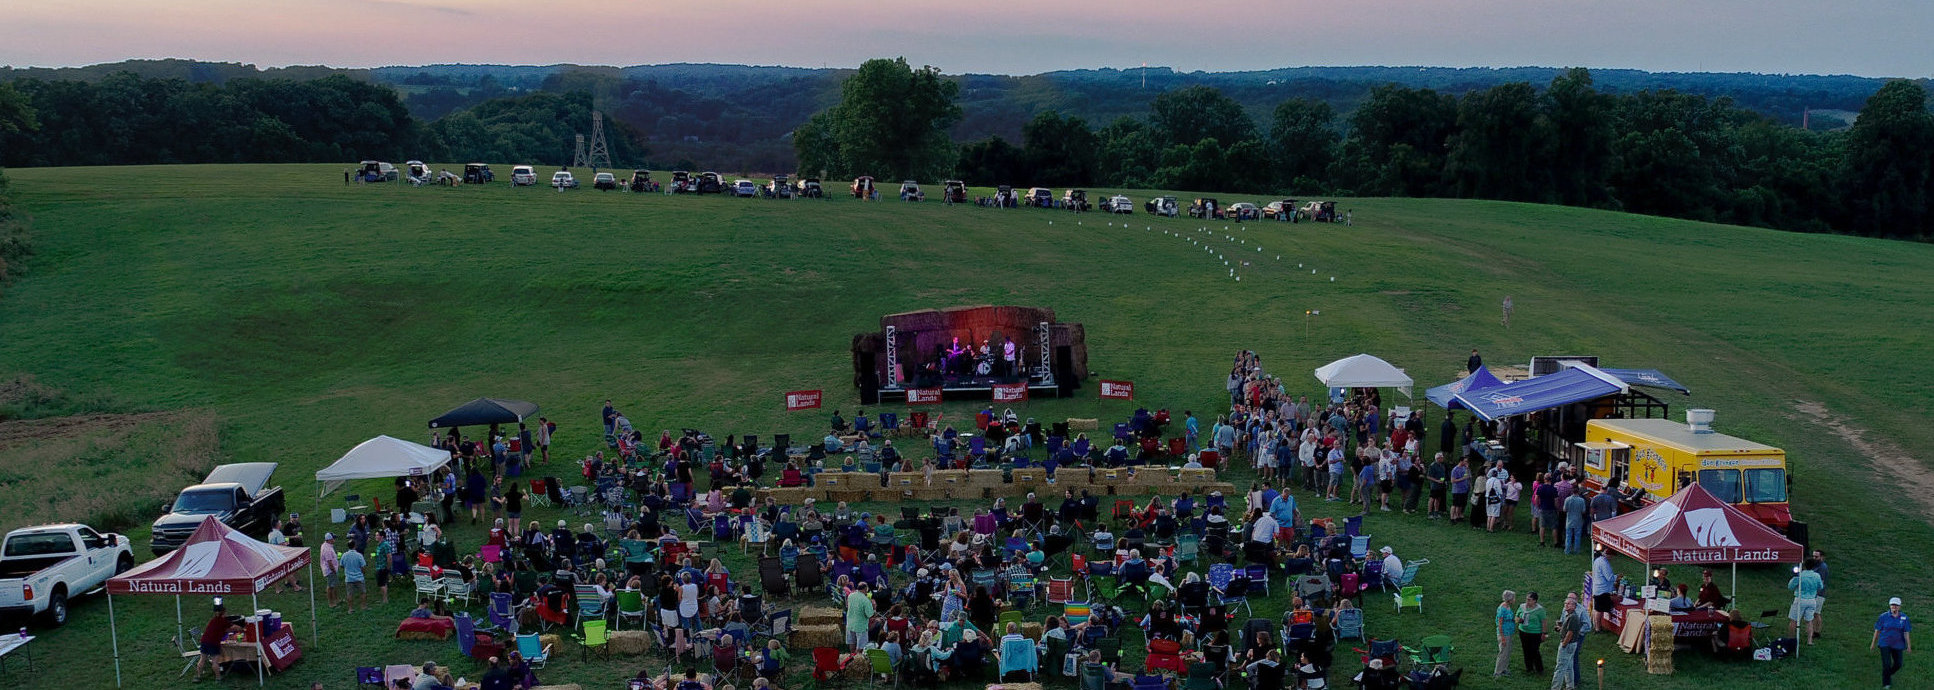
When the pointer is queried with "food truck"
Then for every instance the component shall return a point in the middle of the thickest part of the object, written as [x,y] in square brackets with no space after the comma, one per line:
[1661,456]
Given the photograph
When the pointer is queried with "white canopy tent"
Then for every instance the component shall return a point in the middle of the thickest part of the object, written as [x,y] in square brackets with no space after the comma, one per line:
[1364,371]
[381,457]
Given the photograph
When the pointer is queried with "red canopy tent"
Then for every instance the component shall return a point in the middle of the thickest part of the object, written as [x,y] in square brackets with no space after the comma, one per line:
[1694,527]
[217,561]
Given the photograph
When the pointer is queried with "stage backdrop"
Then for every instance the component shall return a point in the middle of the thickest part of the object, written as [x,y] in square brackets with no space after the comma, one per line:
[922,335]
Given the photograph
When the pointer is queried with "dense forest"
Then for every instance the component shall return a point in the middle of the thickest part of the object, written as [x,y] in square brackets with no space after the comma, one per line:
[1723,147]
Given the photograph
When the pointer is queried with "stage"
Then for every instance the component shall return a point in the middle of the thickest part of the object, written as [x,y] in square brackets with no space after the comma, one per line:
[1003,353]
[972,390]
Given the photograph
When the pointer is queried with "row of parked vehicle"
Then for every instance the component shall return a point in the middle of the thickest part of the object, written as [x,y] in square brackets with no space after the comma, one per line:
[864,187]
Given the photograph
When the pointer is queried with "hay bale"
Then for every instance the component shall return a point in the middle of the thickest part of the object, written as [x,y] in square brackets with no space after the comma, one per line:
[1197,476]
[1030,476]
[929,494]
[1658,656]
[950,478]
[848,495]
[821,615]
[1111,476]
[1015,686]
[906,480]
[1078,424]
[630,642]
[811,636]
[548,641]
[1154,476]
[1031,630]
[985,479]
[835,480]
[762,494]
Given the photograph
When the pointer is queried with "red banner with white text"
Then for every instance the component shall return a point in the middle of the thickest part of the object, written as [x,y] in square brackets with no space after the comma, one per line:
[923,396]
[802,400]
[1117,390]
[1010,392]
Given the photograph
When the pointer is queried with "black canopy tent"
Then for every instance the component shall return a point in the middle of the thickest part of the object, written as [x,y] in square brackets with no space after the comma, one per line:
[484,411]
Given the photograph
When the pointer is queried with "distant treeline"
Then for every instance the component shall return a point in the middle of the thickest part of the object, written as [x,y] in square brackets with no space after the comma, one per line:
[1567,140]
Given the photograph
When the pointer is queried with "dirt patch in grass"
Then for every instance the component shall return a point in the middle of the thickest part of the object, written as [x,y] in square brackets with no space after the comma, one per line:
[111,471]
[1890,458]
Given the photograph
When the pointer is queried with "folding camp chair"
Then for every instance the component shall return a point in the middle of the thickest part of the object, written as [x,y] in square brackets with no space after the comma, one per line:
[1410,571]
[1314,589]
[1188,547]
[533,650]
[1360,547]
[825,663]
[1164,655]
[1258,577]
[1348,624]
[540,494]
[772,576]
[631,604]
[502,613]
[1060,590]
[1434,652]
[1178,447]
[589,603]
[1236,593]
[807,576]
[594,637]
[1155,682]
[1412,595]
[1019,655]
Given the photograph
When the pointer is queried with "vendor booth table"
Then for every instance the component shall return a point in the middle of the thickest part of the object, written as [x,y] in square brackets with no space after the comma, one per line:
[218,561]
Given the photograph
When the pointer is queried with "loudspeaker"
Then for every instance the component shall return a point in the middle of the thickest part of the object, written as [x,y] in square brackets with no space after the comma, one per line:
[1064,376]
[869,379]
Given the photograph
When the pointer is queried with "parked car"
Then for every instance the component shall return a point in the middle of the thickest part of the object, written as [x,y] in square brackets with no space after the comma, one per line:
[1320,211]
[1118,204]
[1283,209]
[1004,197]
[377,171]
[563,179]
[1161,206]
[781,187]
[682,182]
[238,494]
[710,183]
[640,181]
[910,191]
[811,189]
[42,567]
[1076,200]
[1040,197]
[745,189]
[477,173]
[604,181]
[1243,210]
[953,191]
[417,169]
[1206,208]
[863,187]
[523,176]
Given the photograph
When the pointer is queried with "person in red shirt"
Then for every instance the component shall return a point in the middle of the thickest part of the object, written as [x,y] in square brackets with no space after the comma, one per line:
[211,643]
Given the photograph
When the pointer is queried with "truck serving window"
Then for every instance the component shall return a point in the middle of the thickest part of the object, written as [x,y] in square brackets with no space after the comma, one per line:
[1766,485]
[1724,484]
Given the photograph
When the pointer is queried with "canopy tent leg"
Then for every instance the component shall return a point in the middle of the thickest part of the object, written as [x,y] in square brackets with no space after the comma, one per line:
[181,645]
[260,660]
[314,636]
[1735,590]
[114,634]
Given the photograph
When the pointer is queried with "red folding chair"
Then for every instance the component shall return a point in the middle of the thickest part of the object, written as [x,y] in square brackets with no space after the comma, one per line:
[1178,447]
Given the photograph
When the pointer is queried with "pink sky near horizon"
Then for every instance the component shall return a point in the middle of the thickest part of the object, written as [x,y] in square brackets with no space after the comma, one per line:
[1866,37]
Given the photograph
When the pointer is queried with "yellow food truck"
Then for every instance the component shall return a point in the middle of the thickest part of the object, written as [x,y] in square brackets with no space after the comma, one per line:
[1661,456]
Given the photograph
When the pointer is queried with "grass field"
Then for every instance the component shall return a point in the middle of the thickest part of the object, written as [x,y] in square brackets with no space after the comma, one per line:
[299,316]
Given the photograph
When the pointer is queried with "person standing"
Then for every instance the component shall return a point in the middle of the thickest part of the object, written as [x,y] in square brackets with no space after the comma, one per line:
[354,591]
[1575,508]
[544,430]
[331,568]
[1507,312]
[1820,609]
[1471,365]
[210,646]
[1805,586]
[1439,477]
[859,614]
[610,415]
[1507,628]
[1531,633]
[1604,581]
[525,441]
[1893,636]
[1571,636]
[1544,499]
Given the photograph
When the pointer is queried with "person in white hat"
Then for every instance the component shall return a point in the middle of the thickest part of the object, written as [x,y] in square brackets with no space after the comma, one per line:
[1893,636]
[331,568]
[1392,567]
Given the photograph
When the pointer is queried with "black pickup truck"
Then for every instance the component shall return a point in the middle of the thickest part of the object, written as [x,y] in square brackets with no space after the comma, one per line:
[239,495]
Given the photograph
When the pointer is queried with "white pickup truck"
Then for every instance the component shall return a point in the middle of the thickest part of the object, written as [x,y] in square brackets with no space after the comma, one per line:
[42,567]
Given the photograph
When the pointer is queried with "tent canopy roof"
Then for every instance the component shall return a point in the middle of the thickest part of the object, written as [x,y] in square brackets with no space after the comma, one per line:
[216,560]
[1444,396]
[1577,384]
[384,456]
[1693,526]
[484,411]
[1363,371]
[1650,378]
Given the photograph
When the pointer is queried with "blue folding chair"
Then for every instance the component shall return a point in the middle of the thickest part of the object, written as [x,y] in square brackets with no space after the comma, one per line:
[1258,575]
[1019,655]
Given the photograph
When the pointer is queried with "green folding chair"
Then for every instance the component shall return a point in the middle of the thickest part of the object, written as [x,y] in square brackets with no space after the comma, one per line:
[1434,652]
[594,637]
[883,664]
[1014,617]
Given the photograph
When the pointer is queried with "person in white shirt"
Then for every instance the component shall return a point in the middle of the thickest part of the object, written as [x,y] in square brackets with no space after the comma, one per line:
[1392,567]
[1263,530]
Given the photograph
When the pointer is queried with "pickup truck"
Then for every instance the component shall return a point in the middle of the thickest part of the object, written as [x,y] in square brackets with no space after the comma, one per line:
[42,567]
[238,495]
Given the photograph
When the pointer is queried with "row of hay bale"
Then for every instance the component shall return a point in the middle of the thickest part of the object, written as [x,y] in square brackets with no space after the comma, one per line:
[1104,483]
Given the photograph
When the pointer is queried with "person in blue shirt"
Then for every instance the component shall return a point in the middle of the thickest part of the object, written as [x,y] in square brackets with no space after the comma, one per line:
[1893,636]
[1366,485]
[1194,430]
[1805,586]
[1284,509]
[1603,581]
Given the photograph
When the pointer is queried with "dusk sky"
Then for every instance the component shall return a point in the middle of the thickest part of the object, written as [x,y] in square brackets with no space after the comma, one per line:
[1865,37]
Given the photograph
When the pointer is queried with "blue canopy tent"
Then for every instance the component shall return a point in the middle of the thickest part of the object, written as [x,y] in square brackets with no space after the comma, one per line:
[1650,378]
[1445,396]
[1577,384]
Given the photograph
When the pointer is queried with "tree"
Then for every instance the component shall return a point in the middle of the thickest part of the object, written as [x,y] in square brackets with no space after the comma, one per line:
[1397,143]
[1889,168]
[891,122]
[1190,115]
[1129,153]
[991,161]
[1581,139]
[1061,152]
[1302,142]
[1500,145]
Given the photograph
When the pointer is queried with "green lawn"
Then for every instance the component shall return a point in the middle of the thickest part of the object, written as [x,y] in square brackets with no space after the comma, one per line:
[308,316]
